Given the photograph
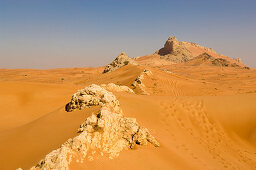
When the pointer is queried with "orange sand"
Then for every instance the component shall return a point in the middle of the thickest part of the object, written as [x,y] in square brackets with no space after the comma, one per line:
[204,117]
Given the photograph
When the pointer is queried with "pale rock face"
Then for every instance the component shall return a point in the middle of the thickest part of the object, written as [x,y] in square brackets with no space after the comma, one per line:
[171,45]
[108,131]
[173,50]
[119,62]
[92,95]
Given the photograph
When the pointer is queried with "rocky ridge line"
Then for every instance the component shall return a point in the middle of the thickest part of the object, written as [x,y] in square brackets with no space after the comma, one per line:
[205,58]
[108,130]
[138,81]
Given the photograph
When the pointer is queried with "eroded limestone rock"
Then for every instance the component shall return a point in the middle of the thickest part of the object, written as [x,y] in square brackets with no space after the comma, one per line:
[108,131]
[93,95]
[174,51]
[120,61]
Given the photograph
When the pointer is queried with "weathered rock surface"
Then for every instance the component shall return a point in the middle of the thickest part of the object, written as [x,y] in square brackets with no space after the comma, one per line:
[107,131]
[174,51]
[138,81]
[93,95]
[207,59]
[178,52]
[120,61]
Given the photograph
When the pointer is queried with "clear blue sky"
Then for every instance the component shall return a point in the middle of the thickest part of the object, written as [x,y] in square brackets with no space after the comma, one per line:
[81,33]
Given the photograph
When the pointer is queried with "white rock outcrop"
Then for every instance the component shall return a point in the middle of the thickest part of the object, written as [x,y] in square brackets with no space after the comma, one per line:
[107,131]
[93,95]
[119,62]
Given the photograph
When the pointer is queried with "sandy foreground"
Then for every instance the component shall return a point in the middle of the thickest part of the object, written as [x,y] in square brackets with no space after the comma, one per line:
[203,117]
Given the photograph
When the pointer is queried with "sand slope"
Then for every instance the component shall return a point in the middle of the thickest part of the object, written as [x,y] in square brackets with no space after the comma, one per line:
[204,117]
[190,136]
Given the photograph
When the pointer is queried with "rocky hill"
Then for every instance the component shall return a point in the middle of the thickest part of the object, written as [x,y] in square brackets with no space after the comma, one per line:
[120,61]
[174,51]
[178,52]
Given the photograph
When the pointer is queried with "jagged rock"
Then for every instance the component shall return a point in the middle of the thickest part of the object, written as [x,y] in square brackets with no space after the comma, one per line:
[174,51]
[92,95]
[207,59]
[124,131]
[220,62]
[108,131]
[171,46]
[224,63]
[138,81]
[120,61]
[205,56]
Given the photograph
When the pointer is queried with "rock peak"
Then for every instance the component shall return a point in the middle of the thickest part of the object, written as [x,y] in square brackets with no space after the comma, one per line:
[173,50]
[122,53]
[172,38]
[119,62]
[170,46]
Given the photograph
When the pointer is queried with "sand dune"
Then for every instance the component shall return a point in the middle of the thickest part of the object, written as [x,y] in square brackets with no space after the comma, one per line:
[26,102]
[203,116]
[24,146]
[191,137]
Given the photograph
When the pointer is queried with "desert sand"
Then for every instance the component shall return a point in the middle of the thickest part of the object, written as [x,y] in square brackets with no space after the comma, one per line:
[203,115]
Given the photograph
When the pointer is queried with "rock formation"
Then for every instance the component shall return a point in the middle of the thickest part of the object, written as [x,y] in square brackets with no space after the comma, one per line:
[120,61]
[174,51]
[93,95]
[207,59]
[138,81]
[178,52]
[107,131]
